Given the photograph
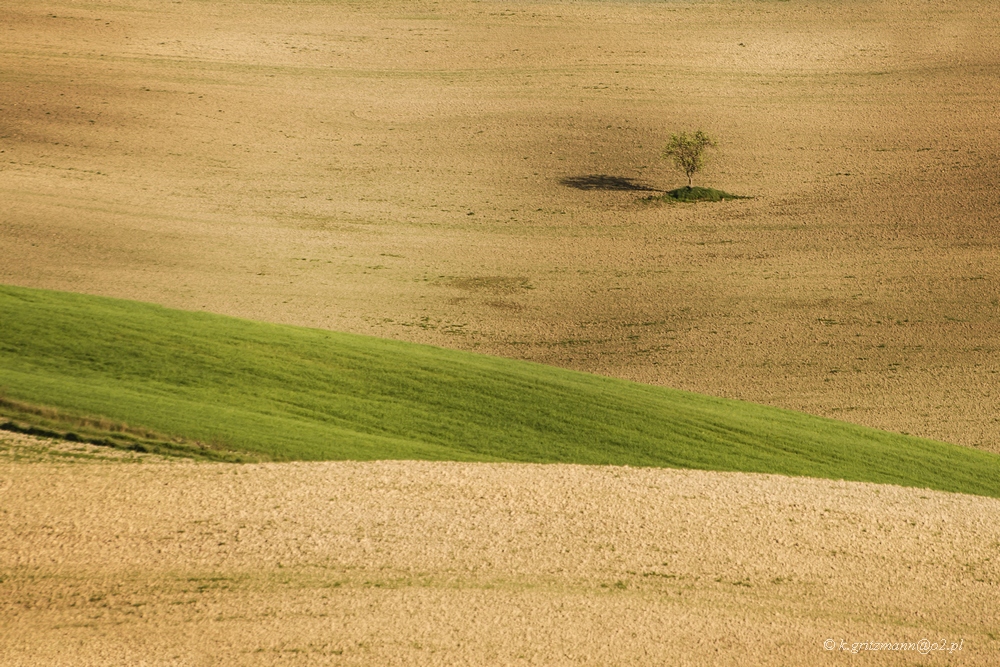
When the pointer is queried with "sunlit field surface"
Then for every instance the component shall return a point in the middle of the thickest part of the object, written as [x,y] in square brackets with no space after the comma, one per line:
[485,177]
[422,171]
[205,385]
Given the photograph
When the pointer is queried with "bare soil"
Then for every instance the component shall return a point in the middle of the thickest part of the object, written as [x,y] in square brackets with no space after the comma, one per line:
[472,175]
[414,171]
[408,563]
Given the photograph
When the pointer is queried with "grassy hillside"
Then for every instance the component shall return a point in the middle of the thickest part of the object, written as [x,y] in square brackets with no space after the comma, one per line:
[283,393]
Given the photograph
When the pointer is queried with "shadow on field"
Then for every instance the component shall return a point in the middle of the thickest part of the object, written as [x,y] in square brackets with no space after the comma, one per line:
[605,182]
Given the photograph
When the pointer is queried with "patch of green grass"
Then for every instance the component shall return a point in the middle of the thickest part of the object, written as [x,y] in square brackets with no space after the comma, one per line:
[278,392]
[695,194]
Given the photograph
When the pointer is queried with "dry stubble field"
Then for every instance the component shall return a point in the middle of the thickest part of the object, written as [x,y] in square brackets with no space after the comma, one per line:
[406,170]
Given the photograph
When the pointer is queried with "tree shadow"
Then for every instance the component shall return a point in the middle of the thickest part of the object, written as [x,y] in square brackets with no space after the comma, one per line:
[605,182]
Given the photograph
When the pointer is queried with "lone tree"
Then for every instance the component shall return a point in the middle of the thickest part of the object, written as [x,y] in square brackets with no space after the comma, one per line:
[686,152]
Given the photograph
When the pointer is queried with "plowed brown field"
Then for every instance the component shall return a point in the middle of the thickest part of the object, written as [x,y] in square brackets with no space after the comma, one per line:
[413,170]
[405,563]
[471,174]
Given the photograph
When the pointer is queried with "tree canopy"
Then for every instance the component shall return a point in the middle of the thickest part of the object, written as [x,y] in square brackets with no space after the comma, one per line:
[686,151]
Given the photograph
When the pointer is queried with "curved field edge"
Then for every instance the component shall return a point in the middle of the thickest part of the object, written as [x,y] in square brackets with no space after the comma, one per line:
[290,393]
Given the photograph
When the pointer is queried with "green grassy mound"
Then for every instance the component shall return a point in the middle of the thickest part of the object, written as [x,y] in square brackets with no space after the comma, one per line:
[282,393]
[688,193]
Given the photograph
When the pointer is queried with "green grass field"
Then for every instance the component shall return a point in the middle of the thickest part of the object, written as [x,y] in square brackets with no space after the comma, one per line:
[262,391]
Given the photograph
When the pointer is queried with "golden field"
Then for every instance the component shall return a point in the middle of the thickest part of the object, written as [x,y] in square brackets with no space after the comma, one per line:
[396,169]
[112,561]
[427,171]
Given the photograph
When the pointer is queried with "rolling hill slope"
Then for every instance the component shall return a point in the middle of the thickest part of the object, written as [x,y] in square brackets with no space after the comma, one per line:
[288,393]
